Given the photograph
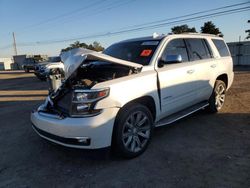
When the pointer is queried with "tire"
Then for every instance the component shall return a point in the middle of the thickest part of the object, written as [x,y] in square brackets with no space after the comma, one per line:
[26,70]
[132,131]
[217,99]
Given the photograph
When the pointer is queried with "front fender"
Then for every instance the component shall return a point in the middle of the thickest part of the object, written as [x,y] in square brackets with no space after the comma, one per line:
[126,89]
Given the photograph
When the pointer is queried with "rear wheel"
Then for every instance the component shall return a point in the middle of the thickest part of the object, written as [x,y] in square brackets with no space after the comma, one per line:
[132,131]
[217,99]
[26,69]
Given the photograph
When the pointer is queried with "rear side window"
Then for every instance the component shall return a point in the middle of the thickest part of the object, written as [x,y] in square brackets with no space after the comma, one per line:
[221,47]
[176,47]
[198,49]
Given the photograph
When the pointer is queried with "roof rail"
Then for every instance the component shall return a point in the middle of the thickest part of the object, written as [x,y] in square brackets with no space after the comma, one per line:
[203,34]
[156,35]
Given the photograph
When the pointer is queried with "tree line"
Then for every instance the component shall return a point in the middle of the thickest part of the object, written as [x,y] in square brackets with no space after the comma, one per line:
[96,46]
[208,27]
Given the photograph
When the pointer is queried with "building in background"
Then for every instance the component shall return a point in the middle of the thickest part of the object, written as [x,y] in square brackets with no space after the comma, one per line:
[240,52]
[6,63]
[20,59]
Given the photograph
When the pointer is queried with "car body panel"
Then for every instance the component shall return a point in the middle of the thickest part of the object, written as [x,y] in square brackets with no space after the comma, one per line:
[72,59]
[97,128]
[172,88]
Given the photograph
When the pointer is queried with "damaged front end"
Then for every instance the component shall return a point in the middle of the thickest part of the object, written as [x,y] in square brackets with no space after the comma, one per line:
[74,97]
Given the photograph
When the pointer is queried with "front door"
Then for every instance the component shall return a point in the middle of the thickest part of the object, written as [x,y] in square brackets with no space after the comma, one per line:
[177,81]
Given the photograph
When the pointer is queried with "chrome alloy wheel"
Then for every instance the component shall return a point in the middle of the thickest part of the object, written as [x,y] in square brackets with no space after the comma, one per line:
[220,94]
[136,131]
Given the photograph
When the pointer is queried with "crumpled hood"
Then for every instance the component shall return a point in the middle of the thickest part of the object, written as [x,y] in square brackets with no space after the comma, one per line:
[74,58]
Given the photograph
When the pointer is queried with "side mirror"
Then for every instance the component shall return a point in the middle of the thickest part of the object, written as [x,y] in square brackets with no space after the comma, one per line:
[170,59]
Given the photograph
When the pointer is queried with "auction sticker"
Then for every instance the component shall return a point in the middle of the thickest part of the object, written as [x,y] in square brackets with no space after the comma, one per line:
[146,53]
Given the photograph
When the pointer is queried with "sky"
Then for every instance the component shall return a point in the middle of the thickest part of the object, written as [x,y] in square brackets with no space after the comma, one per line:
[36,21]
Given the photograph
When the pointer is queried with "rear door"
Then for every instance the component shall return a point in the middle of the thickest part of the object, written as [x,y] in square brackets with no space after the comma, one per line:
[202,59]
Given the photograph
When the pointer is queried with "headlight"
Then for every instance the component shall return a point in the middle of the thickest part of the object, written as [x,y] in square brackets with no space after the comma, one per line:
[90,95]
[84,101]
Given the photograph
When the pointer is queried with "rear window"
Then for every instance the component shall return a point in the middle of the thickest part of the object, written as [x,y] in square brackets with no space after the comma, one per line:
[139,52]
[199,49]
[221,47]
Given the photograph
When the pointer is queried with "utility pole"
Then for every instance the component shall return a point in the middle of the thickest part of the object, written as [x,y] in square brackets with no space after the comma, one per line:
[239,50]
[14,43]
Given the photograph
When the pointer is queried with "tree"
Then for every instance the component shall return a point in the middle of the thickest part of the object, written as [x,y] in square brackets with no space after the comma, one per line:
[96,46]
[210,28]
[248,31]
[183,29]
[77,44]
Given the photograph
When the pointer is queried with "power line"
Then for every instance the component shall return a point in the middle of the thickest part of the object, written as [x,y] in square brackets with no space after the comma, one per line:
[145,27]
[61,16]
[188,15]
[69,16]
[96,12]
[103,9]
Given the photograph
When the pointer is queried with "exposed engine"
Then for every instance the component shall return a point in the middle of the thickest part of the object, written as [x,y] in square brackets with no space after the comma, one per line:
[87,76]
[84,78]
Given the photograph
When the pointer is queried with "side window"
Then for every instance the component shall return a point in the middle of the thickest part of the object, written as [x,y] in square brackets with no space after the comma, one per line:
[221,47]
[176,47]
[198,49]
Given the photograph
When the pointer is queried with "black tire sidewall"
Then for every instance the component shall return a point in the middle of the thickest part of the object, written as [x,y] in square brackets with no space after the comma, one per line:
[118,128]
[212,107]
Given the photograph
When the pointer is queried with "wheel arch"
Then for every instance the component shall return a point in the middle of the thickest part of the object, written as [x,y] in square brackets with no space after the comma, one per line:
[147,101]
[224,78]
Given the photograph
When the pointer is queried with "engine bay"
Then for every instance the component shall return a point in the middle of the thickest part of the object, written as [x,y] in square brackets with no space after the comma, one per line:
[89,75]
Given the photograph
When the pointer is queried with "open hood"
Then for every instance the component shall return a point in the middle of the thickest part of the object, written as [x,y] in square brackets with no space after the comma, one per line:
[76,57]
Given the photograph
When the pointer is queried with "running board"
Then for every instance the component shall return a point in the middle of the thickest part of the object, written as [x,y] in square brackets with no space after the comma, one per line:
[179,115]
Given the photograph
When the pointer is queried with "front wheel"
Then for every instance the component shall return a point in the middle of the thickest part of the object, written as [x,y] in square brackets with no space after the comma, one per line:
[26,69]
[132,131]
[217,99]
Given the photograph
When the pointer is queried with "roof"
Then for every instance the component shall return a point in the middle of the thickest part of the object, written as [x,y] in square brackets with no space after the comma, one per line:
[161,36]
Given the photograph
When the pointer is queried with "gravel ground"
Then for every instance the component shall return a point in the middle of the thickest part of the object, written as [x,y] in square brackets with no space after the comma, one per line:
[202,150]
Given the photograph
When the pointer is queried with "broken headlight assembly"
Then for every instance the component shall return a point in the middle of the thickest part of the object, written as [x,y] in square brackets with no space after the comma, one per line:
[84,101]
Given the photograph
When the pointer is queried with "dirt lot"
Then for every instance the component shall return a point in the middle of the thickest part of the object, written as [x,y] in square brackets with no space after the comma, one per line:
[202,150]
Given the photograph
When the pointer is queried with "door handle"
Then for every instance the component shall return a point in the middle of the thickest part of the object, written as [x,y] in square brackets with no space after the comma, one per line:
[190,71]
[213,66]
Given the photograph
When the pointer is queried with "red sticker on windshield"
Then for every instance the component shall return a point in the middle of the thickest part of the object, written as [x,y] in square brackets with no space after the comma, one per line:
[146,53]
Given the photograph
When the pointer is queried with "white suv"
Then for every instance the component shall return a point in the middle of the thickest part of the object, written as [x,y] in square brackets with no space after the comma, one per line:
[117,97]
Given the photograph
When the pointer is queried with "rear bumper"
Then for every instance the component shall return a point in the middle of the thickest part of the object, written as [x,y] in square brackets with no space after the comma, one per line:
[86,133]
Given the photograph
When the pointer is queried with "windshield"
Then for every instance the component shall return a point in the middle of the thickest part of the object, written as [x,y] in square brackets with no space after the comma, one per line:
[54,59]
[139,52]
